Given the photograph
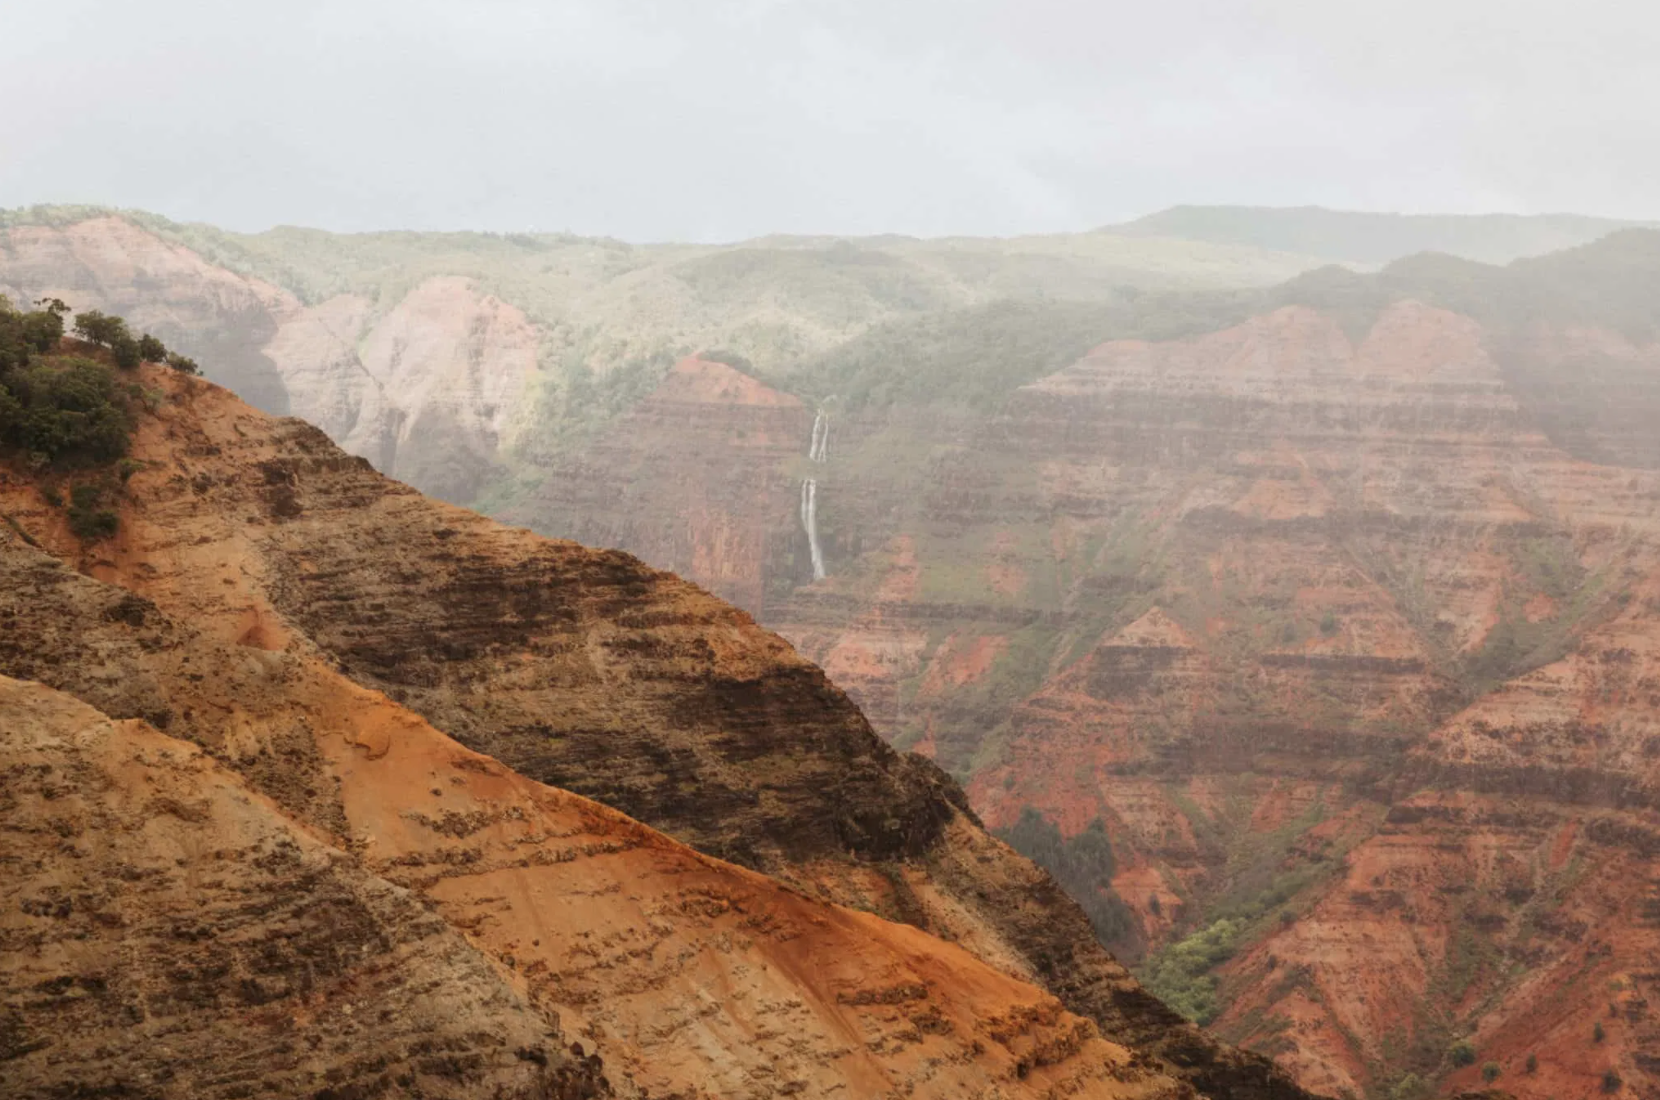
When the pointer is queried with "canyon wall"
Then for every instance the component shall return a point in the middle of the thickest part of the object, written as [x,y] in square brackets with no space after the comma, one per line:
[1337,620]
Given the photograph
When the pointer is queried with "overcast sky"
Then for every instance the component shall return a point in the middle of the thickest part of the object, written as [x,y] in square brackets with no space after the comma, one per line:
[718,119]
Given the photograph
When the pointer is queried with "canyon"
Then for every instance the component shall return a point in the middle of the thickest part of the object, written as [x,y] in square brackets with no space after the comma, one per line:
[249,858]
[1334,618]
[1339,620]
[1331,604]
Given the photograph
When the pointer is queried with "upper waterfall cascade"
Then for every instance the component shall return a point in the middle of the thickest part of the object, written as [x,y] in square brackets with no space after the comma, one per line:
[819,449]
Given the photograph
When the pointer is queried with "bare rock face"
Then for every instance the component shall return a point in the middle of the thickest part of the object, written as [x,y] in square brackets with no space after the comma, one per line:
[713,448]
[460,363]
[424,387]
[272,930]
[112,265]
[170,934]
[315,351]
[273,600]
[203,939]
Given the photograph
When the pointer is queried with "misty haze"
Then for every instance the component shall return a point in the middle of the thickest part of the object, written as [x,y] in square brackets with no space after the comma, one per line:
[749,549]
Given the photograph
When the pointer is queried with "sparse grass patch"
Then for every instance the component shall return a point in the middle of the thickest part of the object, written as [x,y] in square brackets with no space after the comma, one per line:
[88,519]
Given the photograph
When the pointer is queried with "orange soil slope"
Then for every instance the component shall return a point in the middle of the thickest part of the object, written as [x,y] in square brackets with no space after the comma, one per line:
[688,976]
[171,934]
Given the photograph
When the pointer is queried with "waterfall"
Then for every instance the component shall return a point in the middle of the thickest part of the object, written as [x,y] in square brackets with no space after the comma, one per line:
[809,520]
[818,449]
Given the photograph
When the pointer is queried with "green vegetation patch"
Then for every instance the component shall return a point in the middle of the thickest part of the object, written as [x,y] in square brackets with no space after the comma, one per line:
[576,402]
[1263,879]
[975,357]
[1083,865]
[1545,564]
[71,411]
[88,518]
[1180,975]
[64,409]
[61,408]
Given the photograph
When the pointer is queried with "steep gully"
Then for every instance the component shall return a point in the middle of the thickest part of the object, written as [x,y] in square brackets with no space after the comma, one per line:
[314,626]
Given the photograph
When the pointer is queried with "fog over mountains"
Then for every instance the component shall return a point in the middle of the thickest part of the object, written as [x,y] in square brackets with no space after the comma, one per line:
[726,119]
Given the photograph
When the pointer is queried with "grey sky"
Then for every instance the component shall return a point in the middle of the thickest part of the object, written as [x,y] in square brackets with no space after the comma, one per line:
[715,119]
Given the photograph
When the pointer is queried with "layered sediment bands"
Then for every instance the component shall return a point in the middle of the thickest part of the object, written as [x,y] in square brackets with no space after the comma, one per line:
[169,934]
[588,669]
[1239,595]
[203,942]
[1525,924]
[1596,391]
[696,479]
[1240,482]
[1337,529]
[1337,547]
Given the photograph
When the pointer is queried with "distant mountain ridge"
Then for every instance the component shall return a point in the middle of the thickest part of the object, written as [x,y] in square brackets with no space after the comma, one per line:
[450,359]
[466,363]
[1359,237]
